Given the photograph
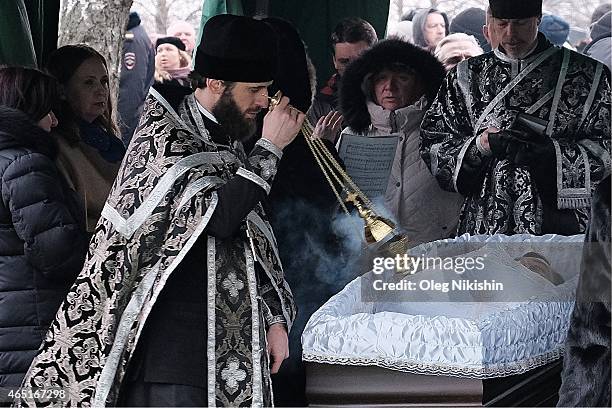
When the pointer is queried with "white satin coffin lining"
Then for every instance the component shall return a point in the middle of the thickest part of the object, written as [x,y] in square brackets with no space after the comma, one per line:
[502,339]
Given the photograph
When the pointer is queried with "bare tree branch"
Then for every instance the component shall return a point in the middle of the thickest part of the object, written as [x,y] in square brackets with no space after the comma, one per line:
[144,6]
[194,14]
[160,13]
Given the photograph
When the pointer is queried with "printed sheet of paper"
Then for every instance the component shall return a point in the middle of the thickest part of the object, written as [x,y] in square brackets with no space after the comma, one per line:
[368,161]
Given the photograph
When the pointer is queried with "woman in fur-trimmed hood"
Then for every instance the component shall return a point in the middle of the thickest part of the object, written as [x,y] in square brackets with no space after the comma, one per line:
[386,92]
[388,54]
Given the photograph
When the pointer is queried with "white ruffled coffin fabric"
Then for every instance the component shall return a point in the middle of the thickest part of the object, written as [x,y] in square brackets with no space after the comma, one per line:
[464,339]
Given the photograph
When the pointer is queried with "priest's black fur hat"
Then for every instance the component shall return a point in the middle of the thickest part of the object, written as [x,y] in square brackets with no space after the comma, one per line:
[236,48]
[294,74]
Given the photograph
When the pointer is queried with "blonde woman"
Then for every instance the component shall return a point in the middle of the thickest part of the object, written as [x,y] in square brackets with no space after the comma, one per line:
[172,63]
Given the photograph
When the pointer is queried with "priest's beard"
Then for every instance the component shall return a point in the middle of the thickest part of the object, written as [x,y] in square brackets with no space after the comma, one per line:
[230,118]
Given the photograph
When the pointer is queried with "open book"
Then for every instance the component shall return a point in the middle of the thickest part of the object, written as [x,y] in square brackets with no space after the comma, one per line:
[368,160]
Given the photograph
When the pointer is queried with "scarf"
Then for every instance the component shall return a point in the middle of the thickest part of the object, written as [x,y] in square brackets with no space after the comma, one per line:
[179,73]
[108,145]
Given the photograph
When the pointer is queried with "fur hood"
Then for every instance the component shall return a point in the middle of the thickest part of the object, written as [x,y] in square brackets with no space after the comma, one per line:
[18,130]
[386,53]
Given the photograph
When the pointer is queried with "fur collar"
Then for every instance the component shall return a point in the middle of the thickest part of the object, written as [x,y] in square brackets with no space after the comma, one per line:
[353,99]
[18,130]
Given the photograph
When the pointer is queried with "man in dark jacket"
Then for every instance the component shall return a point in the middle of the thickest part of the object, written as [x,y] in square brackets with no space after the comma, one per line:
[350,38]
[302,207]
[137,69]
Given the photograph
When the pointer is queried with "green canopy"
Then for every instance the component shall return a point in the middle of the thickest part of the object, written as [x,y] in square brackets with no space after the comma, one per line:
[28,31]
[28,28]
[44,19]
[16,45]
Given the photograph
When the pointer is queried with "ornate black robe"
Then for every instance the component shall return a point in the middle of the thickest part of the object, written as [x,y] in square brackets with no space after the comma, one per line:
[569,90]
[160,204]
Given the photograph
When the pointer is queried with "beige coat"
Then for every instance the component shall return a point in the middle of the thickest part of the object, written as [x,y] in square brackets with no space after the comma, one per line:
[88,174]
[423,210]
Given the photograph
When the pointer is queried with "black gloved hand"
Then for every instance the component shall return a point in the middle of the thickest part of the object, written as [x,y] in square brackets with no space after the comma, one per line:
[531,149]
[499,143]
[522,148]
[505,144]
[538,153]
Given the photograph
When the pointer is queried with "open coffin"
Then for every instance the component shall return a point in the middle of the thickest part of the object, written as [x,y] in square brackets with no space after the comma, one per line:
[472,334]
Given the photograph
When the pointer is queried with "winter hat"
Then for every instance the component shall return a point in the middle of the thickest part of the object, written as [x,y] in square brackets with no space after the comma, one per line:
[600,11]
[470,21]
[170,40]
[236,48]
[133,21]
[515,9]
[293,77]
[387,54]
[554,28]
[602,27]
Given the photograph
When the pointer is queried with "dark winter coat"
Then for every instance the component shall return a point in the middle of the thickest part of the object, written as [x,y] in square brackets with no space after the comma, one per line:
[137,69]
[42,245]
[301,209]
[586,366]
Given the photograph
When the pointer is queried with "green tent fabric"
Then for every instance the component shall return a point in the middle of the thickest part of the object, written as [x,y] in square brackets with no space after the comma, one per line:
[315,20]
[44,18]
[28,31]
[214,7]
[16,45]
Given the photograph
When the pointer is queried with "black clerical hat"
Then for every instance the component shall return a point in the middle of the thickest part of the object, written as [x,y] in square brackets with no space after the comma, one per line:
[514,9]
[236,48]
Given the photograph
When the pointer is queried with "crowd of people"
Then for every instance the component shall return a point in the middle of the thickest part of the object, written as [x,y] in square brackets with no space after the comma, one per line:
[209,222]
